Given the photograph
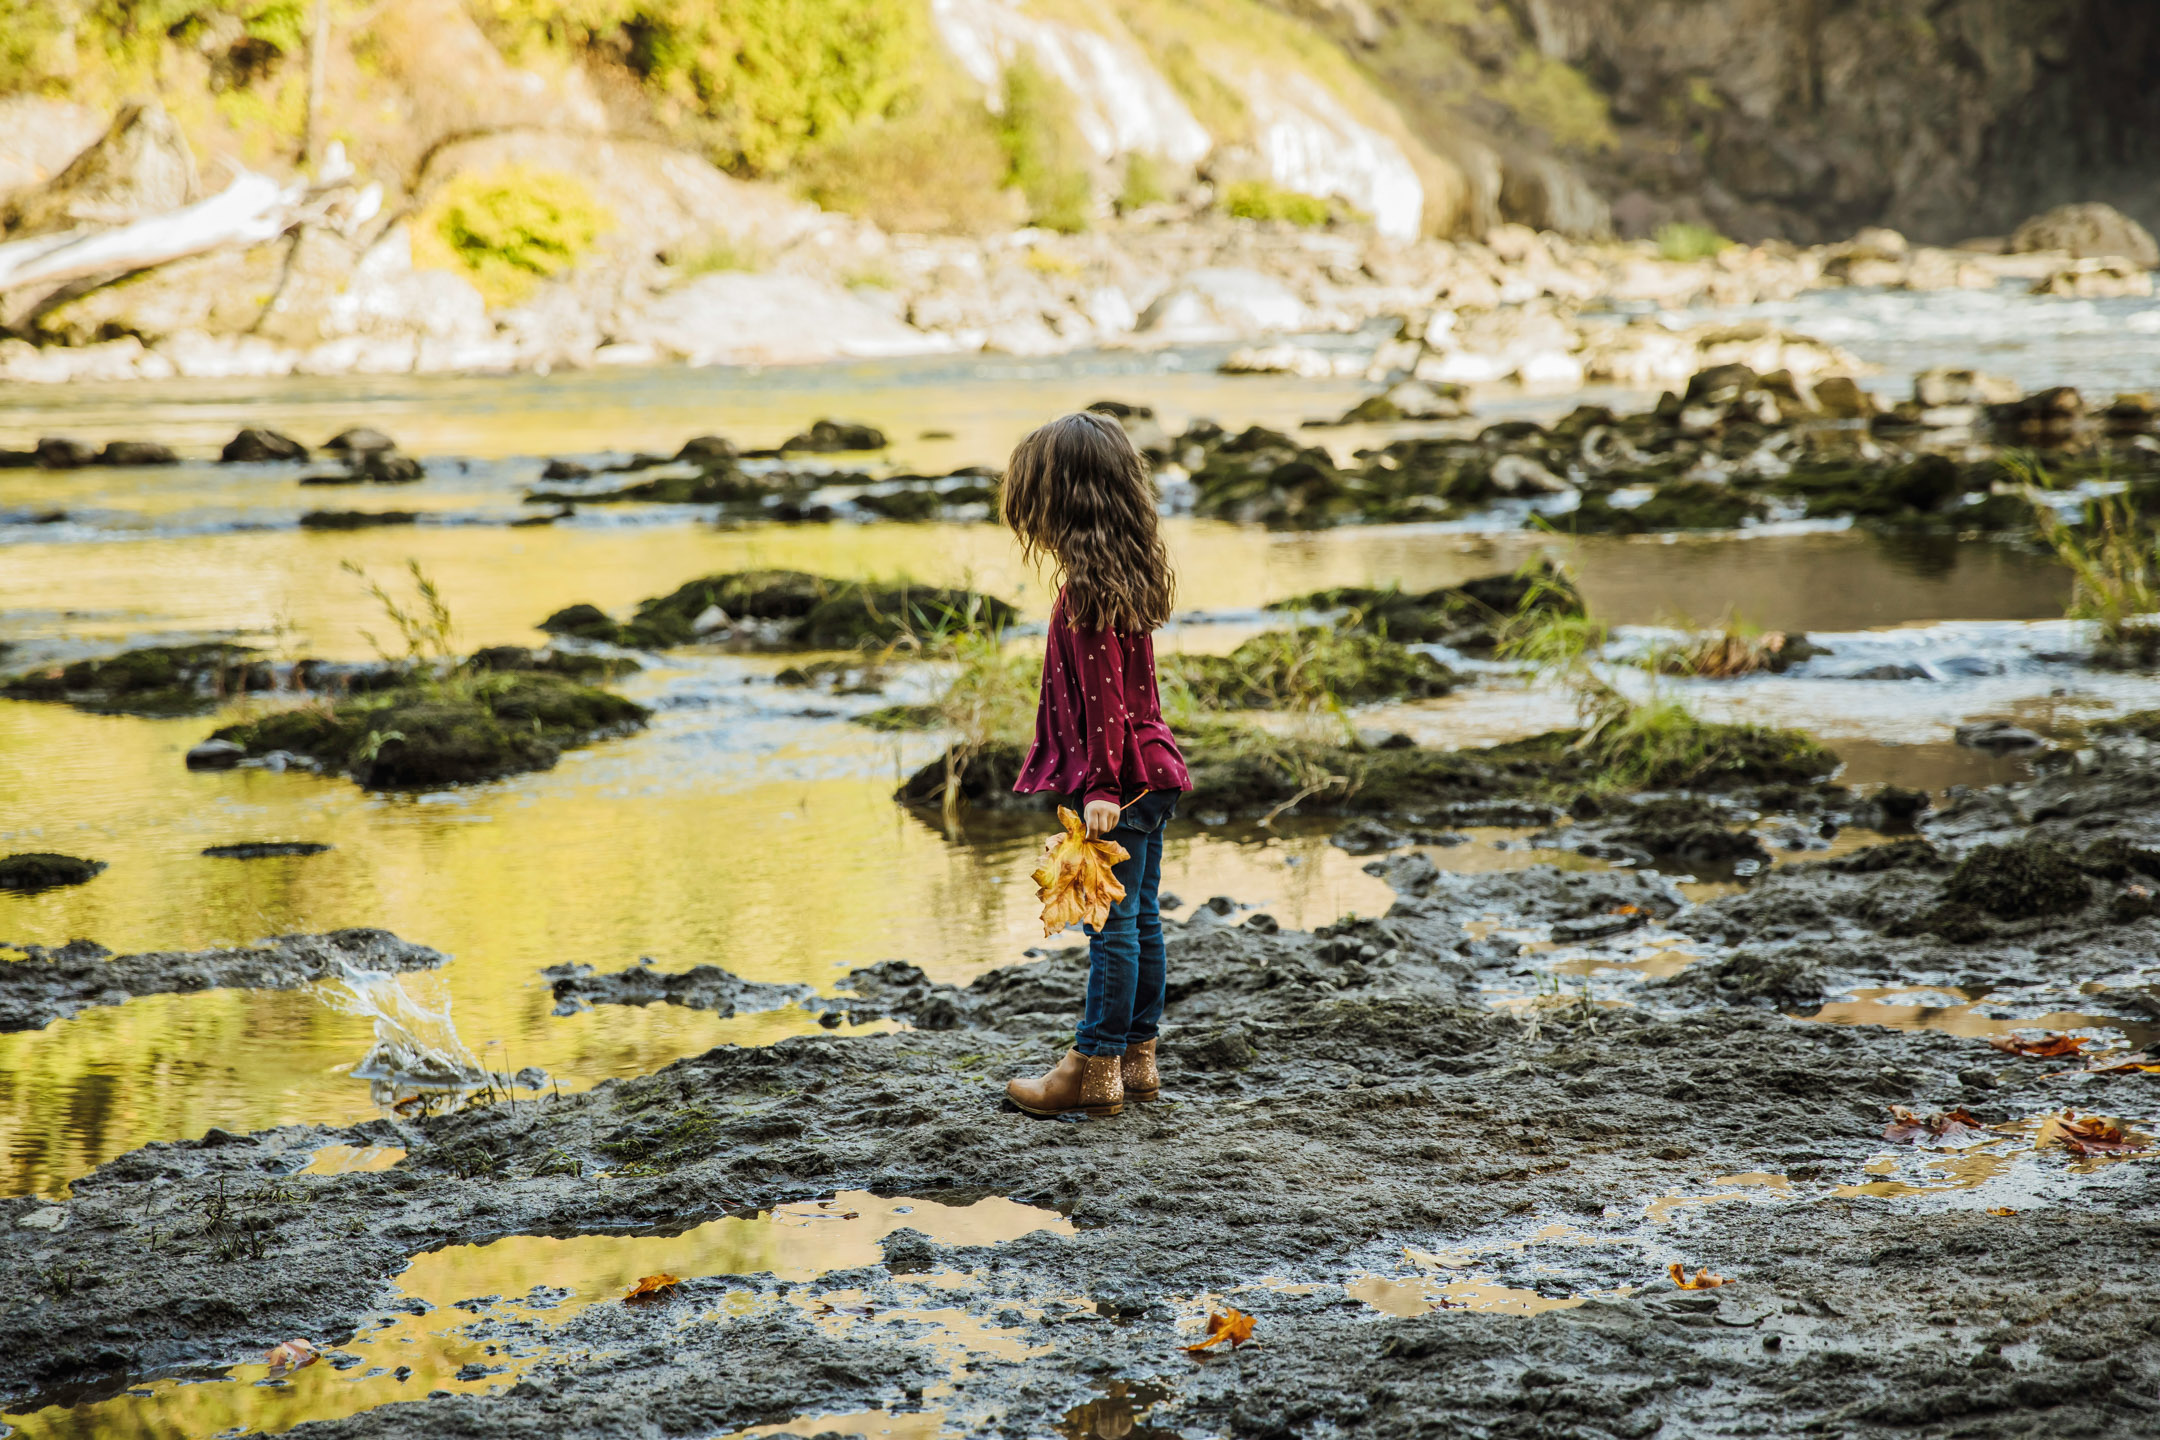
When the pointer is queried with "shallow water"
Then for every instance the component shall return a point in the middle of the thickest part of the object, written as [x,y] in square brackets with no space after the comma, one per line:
[751,826]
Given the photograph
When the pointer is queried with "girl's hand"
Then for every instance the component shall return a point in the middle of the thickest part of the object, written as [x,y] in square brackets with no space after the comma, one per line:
[1101,817]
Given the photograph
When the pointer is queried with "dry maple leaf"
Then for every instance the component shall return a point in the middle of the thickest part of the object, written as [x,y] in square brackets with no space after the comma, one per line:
[2047,1047]
[294,1354]
[1702,1280]
[2095,1136]
[1232,1325]
[1953,1127]
[1074,881]
[651,1288]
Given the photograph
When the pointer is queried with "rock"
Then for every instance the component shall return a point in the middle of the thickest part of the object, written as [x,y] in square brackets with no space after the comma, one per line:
[739,318]
[2108,279]
[1840,397]
[258,849]
[141,166]
[1949,385]
[1520,475]
[355,519]
[1410,400]
[136,452]
[56,452]
[215,755]
[1140,426]
[837,436]
[379,467]
[31,871]
[360,440]
[2088,231]
[1999,736]
[566,470]
[51,1217]
[254,446]
[707,450]
[1302,361]
[152,680]
[582,621]
[1223,303]
[43,135]
[708,620]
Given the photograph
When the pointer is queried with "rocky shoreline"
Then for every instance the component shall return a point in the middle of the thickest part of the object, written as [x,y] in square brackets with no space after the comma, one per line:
[1339,1104]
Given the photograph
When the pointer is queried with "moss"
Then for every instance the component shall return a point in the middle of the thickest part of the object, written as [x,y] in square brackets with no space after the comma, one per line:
[1302,668]
[1687,829]
[1263,476]
[509,229]
[677,1137]
[421,736]
[41,870]
[2114,858]
[2144,724]
[1874,859]
[1263,200]
[937,169]
[2019,881]
[1674,505]
[1681,241]
[155,680]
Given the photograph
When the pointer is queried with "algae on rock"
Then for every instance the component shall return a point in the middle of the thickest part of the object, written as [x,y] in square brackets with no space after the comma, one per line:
[790,610]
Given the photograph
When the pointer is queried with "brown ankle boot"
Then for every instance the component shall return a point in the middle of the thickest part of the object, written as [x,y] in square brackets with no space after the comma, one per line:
[1076,1083]
[1138,1072]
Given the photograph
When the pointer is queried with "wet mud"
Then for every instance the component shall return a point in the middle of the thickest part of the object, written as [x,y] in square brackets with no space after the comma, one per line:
[1449,1192]
[40,984]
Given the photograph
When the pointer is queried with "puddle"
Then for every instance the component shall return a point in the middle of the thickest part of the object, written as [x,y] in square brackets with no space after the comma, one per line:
[1957,1012]
[1117,1414]
[913,1425]
[1754,1187]
[1421,1295]
[353,1159]
[1654,959]
[524,1285]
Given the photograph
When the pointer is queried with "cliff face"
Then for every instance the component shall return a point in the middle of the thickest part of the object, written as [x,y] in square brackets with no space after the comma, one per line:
[1795,118]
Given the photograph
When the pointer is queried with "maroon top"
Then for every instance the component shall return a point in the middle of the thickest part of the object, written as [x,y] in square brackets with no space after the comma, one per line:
[1099,731]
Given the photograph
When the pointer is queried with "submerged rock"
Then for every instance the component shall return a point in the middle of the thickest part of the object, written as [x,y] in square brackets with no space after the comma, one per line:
[789,610]
[34,870]
[264,849]
[155,680]
[827,437]
[137,452]
[356,519]
[254,446]
[1466,617]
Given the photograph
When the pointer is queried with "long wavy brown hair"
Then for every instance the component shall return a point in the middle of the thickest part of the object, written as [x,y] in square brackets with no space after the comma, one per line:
[1076,491]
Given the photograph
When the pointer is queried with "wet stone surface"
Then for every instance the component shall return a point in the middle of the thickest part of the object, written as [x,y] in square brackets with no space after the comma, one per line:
[1448,1190]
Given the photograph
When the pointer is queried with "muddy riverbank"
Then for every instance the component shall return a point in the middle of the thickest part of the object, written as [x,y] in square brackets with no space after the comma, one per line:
[1442,1212]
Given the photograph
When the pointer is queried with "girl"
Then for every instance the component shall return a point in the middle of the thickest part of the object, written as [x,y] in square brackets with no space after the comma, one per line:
[1078,492]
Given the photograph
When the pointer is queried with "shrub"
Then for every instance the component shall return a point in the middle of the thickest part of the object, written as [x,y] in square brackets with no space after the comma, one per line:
[1046,159]
[509,229]
[1146,181]
[1679,240]
[935,170]
[1263,200]
[721,252]
[2113,556]
[769,78]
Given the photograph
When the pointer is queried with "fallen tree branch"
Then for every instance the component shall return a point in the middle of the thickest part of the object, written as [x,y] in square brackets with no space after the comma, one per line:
[252,209]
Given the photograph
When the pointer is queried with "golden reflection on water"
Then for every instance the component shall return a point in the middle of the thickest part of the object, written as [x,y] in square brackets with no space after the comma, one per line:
[548,1280]
[1886,1006]
[1421,1295]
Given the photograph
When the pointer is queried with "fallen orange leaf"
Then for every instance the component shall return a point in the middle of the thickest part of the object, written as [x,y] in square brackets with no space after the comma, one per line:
[1075,881]
[2095,1136]
[294,1354]
[1953,1127]
[1234,1325]
[2133,1064]
[1703,1279]
[2001,1210]
[2047,1047]
[651,1288]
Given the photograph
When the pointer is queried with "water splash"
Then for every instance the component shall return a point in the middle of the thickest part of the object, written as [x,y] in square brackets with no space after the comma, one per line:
[416,1043]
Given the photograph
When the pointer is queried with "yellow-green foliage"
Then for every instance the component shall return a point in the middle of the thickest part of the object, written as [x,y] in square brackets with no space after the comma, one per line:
[50,44]
[1678,240]
[720,252]
[509,229]
[1556,98]
[1046,158]
[933,170]
[1260,200]
[1146,181]
[773,77]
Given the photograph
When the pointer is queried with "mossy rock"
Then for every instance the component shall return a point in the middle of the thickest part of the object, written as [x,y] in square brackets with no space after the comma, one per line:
[2019,881]
[1684,828]
[156,680]
[1465,617]
[795,610]
[1674,505]
[1290,667]
[36,870]
[720,486]
[422,736]
[2145,724]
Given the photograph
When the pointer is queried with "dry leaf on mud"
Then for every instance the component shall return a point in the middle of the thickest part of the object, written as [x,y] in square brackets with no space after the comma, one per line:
[652,1287]
[2047,1047]
[1702,1279]
[294,1354]
[1233,1325]
[2001,1210]
[1953,1127]
[1074,881]
[2091,1135]
[2136,1063]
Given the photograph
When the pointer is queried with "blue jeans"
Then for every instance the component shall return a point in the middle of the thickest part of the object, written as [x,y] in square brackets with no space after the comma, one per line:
[1125,957]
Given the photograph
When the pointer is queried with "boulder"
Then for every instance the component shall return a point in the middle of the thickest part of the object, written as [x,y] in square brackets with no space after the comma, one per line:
[39,135]
[57,452]
[1223,303]
[254,445]
[360,440]
[136,452]
[832,437]
[707,450]
[215,755]
[140,166]
[736,317]
[1949,385]
[1410,400]
[2088,232]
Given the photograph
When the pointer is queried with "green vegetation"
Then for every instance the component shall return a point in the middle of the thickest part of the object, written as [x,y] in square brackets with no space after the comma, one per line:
[935,169]
[1046,159]
[718,254]
[793,610]
[44,44]
[509,229]
[762,81]
[1262,200]
[155,680]
[2113,557]
[1147,181]
[1679,240]
[1314,669]
[1555,97]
